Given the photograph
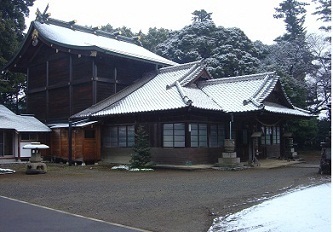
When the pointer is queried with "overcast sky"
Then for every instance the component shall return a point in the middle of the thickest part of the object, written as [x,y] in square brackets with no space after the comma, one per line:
[254,17]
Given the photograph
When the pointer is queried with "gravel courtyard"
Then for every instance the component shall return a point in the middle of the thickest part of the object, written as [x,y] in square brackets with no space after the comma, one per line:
[160,200]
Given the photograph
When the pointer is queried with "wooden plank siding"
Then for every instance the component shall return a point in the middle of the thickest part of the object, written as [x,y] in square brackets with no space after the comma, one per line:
[83,149]
[67,83]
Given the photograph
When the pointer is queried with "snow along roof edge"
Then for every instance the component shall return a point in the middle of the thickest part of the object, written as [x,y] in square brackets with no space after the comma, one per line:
[53,31]
[229,95]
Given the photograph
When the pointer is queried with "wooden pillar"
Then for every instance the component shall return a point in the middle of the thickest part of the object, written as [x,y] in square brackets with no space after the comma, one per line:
[115,80]
[70,85]
[94,84]
[47,97]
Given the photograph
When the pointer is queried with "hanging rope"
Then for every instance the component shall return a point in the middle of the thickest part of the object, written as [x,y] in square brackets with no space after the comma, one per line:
[265,124]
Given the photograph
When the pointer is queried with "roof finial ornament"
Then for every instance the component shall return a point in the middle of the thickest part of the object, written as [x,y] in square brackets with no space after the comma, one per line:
[42,17]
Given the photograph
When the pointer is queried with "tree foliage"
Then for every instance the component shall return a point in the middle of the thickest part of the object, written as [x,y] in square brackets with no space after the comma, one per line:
[12,25]
[303,62]
[228,51]
[154,37]
[293,12]
[324,12]
[319,80]
[292,60]
[201,16]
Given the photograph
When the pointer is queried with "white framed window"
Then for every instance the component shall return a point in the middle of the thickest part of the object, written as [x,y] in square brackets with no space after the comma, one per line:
[174,135]
[119,136]
[199,136]
[216,135]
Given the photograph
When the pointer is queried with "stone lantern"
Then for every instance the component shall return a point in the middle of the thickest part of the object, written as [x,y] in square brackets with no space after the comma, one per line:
[35,166]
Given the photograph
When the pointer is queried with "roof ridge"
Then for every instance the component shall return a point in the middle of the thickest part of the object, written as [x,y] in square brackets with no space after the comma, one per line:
[193,72]
[240,78]
[255,99]
[44,18]
[193,67]
[261,87]
[178,67]
[263,93]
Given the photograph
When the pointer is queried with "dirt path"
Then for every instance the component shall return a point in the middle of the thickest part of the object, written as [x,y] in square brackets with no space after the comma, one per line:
[162,200]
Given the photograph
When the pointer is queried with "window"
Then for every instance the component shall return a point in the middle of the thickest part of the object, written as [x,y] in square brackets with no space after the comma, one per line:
[276,135]
[271,135]
[198,135]
[89,134]
[174,135]
[217,135]
[119,136]
[29,137]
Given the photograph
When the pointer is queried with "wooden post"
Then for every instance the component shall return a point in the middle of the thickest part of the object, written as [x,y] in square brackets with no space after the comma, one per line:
[70,148]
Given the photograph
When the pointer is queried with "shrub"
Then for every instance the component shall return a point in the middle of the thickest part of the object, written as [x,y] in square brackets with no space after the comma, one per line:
[141,157]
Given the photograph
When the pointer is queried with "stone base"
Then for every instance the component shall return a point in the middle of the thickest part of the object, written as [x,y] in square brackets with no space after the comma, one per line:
[36,168]
[229,155]
[229,159]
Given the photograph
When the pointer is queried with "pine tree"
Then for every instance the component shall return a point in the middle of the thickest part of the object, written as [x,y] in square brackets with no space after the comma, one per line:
[293,12]
[141,157]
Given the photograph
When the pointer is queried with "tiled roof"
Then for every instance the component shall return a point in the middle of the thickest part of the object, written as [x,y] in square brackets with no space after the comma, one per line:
[20,123]
[169,89]
[79,37]
[242,93]
[154,92]
[276,108]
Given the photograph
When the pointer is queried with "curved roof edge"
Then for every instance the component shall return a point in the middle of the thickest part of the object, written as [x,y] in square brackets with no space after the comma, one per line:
[53,31]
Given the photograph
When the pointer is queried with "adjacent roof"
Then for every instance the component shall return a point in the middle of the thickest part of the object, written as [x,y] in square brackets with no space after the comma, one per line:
[68,35]
[20,123]
[190,85]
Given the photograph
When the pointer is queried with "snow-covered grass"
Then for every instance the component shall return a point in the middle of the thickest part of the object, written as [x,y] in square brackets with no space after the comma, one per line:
[6,171]
[127,168]
[307,209]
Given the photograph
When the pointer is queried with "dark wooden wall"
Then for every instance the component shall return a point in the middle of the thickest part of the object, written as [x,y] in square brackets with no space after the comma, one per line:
[61,84]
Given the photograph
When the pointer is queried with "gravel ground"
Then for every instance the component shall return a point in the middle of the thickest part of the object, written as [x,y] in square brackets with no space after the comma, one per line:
[160,200]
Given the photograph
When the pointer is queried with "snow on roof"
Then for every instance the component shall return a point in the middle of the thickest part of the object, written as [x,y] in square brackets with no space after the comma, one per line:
[79,37]
[20,123]
[171,88]
[242,93]
[151,93]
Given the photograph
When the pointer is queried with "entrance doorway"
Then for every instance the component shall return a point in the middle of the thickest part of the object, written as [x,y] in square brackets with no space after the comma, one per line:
[6,143]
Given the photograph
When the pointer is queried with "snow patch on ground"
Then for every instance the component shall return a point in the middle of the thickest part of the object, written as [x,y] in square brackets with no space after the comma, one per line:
[127,168]
[304,209]
[6,171]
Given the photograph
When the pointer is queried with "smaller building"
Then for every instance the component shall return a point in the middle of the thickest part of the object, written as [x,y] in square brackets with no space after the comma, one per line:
[189,116]
[17,131]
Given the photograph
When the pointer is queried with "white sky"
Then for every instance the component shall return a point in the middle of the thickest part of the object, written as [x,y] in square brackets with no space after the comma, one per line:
[254,17]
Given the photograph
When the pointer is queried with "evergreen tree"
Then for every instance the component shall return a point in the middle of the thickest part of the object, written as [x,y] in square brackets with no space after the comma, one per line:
[228,51]
[201,16]
[293,12]
[154,37]
[141,157]
[323,10]
[12,25]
